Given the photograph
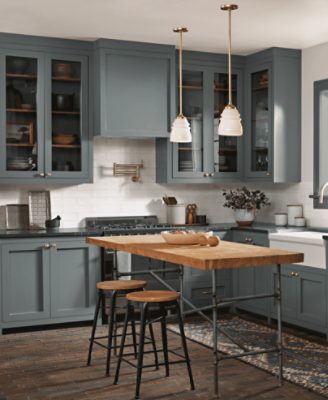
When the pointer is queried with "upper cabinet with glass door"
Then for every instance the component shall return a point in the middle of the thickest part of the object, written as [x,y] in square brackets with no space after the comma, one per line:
[189,157]
[273,116]
[44,112]
[23,113]
[67,118]
[227,150]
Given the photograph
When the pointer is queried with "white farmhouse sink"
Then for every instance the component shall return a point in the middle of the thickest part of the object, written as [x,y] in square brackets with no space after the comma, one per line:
[310,243]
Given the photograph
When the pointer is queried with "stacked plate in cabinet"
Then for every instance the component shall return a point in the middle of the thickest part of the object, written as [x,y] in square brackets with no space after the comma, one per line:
[20,164]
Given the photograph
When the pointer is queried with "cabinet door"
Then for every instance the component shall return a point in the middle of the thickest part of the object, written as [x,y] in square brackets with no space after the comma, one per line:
[25,281]
[74,271]
[312,302]
[135,93]
[252,280]
[259,128]
[227,150]
[22,114]
[190,159]
[67,131]
[289,293]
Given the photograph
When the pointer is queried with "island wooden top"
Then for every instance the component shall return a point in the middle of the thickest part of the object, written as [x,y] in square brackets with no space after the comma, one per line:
[226,255]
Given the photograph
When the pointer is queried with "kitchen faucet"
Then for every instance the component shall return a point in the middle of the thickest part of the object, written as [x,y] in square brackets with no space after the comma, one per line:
[322,190]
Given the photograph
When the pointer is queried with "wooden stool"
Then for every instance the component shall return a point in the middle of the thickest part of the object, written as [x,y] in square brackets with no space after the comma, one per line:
[110,290]
[163,299]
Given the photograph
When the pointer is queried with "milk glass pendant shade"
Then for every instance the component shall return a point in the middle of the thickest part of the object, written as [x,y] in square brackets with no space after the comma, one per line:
[180,132]
[230,122]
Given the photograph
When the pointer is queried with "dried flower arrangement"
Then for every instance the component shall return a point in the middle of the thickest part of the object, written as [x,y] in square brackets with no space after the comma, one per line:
[245,199]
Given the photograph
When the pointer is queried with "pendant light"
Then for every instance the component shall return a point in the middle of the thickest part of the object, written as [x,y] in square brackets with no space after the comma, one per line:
[230,123]
[180,132]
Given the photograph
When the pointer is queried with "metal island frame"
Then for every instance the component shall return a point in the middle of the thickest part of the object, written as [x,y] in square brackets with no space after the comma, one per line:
[226,255]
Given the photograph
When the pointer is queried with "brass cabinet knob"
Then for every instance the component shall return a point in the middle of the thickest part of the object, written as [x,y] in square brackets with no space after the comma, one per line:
[206,174]
[48,174]
[296,274]
[54,245]
[248,239]
[212,174]
[46,245]
[268,174]
[42,174]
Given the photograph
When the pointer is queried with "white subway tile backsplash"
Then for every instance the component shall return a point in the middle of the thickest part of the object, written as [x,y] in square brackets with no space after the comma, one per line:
[110,196]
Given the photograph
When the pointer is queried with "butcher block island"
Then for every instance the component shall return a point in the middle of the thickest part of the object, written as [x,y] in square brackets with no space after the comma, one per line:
[226,255]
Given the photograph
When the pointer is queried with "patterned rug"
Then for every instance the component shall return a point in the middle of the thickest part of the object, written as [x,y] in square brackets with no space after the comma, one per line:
[305,362]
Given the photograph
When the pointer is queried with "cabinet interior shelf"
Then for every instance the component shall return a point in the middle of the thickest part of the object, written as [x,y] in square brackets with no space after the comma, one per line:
[225,90]
[21,76]
[65,79]
[66,146]
[188,117]
[19,145]
[192,87]
[260,88]
[227,150]
[66,112]
[20,110]
[185,149]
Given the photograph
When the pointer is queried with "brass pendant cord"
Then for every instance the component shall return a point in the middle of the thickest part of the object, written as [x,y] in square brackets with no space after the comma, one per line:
[180,76]
[229,59]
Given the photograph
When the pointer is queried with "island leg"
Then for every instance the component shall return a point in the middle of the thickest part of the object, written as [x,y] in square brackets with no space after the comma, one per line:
[279,331]
[215,335]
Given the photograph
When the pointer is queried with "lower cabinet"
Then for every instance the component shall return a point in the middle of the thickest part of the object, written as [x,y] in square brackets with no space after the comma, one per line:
[304,296]
[47,280]
[251,280]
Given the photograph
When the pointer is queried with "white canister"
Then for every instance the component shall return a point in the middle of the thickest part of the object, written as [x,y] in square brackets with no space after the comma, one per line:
[294,211]
[281,219]
[299,221]
[176,214]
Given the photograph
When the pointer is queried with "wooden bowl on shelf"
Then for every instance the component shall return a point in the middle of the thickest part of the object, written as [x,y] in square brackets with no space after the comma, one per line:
[64,139]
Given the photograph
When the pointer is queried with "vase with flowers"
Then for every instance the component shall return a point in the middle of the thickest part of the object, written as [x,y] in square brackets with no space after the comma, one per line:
[245,203]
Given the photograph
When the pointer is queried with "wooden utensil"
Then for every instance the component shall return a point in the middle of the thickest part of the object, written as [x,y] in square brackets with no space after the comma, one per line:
[205,240]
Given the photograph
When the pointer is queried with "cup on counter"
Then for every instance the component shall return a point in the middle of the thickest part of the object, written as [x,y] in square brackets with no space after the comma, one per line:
[281,219]
[176,214]
[294,211]
[300,221]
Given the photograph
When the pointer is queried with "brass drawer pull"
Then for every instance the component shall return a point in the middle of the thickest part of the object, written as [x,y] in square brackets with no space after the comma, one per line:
[248,239]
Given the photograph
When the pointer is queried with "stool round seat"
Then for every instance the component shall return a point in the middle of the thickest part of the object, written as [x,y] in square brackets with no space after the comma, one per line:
[121,285]
[153,296]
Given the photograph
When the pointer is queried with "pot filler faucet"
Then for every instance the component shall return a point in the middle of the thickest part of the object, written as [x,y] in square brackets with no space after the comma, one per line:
[322,191]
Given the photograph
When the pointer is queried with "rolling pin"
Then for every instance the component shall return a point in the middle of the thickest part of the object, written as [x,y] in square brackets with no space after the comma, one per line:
[205,240]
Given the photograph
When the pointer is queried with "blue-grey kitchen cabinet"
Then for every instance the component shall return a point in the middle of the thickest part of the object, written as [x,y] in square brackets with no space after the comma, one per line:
[49,280]
[252,280]
[134,89]
[272,122]
[304,296]
[38,103]
[209,158]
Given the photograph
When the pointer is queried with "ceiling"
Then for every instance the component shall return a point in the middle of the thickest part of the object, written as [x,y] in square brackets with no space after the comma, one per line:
[257,24]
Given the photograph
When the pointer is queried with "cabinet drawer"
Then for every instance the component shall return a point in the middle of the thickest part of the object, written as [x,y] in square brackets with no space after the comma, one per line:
[250,237]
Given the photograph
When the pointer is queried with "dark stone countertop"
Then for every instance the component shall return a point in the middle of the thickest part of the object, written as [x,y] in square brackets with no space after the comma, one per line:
[82,232]
[34,233]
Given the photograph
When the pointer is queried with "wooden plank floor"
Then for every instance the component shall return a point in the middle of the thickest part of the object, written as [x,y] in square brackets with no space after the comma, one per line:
[51,365]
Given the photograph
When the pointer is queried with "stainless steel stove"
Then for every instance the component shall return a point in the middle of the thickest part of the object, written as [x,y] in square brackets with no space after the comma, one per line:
[133,225]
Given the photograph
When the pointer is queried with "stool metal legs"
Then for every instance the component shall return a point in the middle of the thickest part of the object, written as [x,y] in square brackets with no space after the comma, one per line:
[94,326]
[140,359]
[143,317]
[185,349]
[110,329]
